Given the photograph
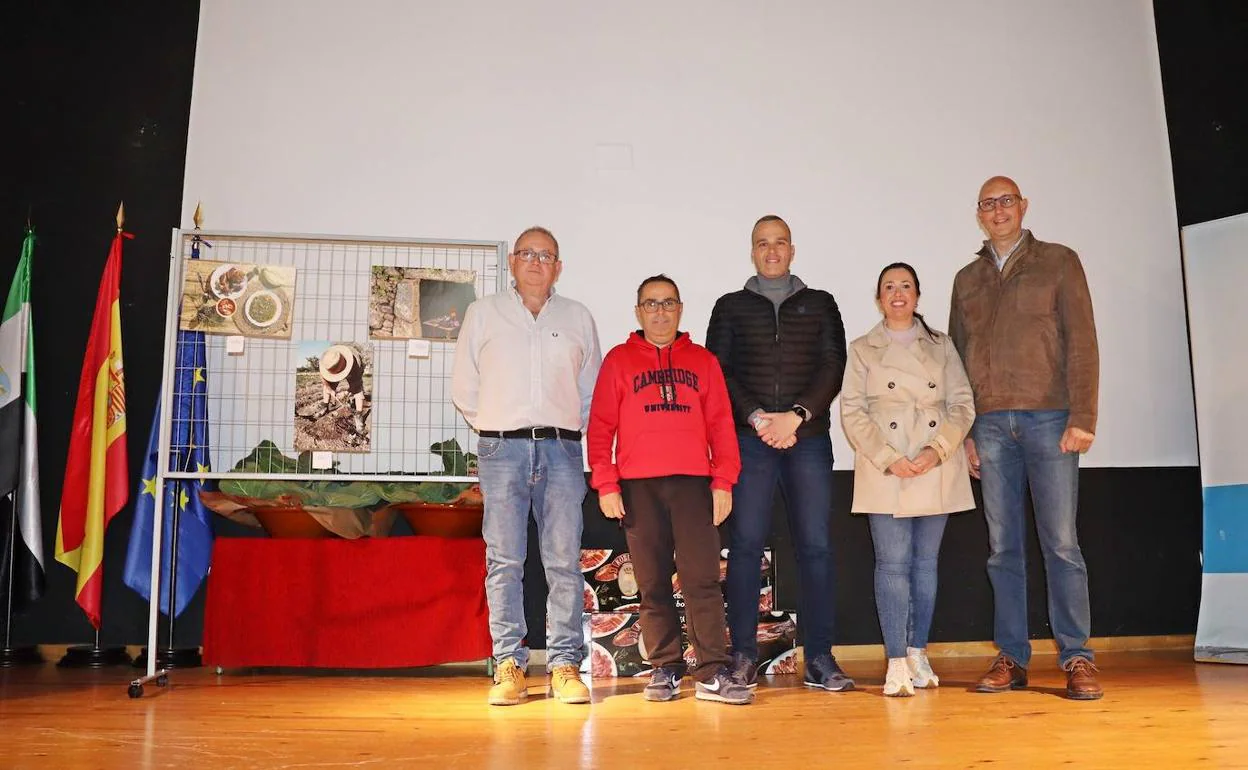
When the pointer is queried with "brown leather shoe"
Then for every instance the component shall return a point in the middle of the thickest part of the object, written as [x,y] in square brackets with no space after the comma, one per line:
[1003,675]
[1081,681]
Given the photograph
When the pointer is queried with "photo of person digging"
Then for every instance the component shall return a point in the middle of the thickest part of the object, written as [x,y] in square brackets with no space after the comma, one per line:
[333,398]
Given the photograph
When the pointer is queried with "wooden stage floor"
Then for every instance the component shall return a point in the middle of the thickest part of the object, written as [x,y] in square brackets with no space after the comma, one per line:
[1160,710]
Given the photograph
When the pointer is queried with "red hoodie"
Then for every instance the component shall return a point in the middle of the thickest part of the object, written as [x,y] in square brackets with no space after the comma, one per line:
[663,409]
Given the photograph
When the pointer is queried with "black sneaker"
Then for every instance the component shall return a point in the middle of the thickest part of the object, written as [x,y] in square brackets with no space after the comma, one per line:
[664,685]
[824,672]
[723,688]
[744,670]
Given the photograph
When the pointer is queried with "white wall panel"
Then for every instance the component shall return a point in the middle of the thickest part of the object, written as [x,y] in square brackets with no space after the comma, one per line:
[650,136]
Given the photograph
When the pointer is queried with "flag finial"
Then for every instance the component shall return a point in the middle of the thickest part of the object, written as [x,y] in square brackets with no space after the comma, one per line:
[121,215]
[198,216]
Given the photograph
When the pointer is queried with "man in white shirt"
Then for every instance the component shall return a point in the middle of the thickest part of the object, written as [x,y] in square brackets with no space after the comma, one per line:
[525,366]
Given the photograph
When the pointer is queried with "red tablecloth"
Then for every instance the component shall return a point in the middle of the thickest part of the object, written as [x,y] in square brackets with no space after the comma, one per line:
[369,603]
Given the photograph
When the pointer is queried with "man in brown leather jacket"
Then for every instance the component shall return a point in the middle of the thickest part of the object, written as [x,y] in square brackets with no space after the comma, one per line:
[1021,318]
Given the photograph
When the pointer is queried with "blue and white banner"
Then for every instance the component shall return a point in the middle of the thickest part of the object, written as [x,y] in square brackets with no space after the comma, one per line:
[1216,259]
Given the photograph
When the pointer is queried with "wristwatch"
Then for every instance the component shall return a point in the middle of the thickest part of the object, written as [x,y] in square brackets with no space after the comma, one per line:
[801,411]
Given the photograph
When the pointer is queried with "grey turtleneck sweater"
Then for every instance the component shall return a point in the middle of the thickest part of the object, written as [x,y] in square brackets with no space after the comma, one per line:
[775,289]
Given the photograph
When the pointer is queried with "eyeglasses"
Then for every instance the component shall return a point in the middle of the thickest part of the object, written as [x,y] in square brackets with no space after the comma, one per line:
[545,257]
[653,305]
[1004,201]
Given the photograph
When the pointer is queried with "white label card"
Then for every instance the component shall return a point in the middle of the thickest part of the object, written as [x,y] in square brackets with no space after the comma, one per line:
[418,348]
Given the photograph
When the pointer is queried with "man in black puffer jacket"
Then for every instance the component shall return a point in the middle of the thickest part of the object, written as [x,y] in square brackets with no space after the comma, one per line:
[781,345]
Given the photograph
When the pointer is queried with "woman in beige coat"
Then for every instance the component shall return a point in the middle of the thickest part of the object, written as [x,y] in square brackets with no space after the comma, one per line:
[906,406]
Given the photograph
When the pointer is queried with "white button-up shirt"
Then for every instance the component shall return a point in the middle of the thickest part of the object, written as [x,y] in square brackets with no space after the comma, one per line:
[516,371]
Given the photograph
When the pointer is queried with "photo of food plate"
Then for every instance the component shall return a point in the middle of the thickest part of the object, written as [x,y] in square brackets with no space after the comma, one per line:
[263,308]
[228,281]
[251,300]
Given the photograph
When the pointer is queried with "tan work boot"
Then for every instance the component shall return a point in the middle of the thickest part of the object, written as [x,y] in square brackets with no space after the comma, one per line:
[566,684]
[510,686]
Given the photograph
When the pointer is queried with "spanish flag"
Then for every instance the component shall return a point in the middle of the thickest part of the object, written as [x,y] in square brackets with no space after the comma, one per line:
[96,478]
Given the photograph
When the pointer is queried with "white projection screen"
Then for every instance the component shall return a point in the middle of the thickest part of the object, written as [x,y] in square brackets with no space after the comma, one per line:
[650,135]
[1216,258]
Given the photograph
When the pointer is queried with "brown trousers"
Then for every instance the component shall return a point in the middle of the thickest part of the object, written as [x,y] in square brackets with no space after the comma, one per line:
[672,515]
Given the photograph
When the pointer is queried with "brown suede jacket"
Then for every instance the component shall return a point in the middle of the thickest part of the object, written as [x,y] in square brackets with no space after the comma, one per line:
[1026,333]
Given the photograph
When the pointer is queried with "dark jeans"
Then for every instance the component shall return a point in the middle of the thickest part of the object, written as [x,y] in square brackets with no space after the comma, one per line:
[804,475]
[672,515]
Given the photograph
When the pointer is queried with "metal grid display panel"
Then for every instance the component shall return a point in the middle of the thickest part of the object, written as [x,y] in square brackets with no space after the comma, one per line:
[251,397]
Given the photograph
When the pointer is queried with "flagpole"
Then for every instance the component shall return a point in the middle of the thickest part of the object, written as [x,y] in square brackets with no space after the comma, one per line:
[174,656]
[173,570]
[9,655]
[186,657]
[97,656]
[11,558]
[27,654]
[171,656]
[160,675]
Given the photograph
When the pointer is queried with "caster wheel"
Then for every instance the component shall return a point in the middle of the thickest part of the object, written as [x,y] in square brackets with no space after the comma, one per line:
[162,681]
[135,691]
[220,671]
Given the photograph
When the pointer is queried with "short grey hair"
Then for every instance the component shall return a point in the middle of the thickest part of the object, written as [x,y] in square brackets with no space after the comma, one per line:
[543,231]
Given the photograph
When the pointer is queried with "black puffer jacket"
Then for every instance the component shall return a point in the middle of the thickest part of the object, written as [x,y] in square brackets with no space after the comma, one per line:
[769,368]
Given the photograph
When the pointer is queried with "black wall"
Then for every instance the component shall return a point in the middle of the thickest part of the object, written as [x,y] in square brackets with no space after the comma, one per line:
[95,102]
[1140,529]
[1203,46]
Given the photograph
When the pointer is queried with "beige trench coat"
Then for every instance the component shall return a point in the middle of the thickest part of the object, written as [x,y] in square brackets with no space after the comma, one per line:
[896,401]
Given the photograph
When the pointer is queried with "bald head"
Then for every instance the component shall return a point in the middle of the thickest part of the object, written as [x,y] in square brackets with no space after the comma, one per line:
[1002,183]
[1002,221]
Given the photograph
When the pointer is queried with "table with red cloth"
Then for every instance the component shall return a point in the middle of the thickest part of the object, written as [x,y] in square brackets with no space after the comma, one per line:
[335,603]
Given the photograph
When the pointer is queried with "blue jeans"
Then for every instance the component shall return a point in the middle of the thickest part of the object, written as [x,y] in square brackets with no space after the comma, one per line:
[1017,450]
[804,474]
[906,549]
[519,474]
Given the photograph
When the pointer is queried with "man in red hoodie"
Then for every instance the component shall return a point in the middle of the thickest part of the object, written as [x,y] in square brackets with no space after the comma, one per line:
[662,403]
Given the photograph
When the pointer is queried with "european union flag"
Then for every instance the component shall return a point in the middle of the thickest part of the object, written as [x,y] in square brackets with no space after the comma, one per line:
[188,451]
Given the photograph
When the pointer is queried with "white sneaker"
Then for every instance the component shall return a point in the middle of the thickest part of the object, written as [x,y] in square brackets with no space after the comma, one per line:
[920,669]
[897,680]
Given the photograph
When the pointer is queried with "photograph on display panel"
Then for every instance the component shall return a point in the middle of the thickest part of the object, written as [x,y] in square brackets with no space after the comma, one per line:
[418,302]
[333,396]
[237,298]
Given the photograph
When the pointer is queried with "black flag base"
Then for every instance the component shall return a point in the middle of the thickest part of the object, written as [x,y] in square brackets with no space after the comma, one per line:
[92,656]
[19,656]
[175,657]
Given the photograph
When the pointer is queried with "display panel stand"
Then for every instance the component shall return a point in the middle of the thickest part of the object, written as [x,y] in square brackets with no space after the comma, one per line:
[333,298]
